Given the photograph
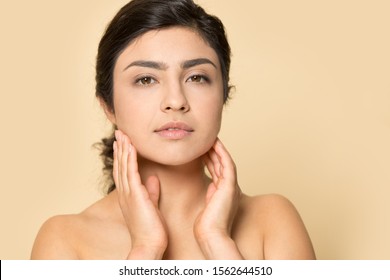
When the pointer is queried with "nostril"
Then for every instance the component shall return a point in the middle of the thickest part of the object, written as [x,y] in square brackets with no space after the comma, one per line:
[181,108]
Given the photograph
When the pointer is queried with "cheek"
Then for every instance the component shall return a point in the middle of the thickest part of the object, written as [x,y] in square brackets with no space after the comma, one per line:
[213,111]
[211,117]
[128,117]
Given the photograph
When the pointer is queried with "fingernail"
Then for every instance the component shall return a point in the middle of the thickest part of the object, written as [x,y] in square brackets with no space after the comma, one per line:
[117,135]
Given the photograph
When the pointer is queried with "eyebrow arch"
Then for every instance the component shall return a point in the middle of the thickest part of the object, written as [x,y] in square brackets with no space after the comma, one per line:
[197,61]
[147,64]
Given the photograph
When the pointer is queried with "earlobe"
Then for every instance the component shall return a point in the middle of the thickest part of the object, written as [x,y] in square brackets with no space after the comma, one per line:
[108,111]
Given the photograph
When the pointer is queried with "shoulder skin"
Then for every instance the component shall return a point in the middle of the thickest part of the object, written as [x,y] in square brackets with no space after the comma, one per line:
[284,234]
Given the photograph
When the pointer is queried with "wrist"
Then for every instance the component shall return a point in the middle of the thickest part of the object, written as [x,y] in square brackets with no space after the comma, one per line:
[219,246]
[141,252]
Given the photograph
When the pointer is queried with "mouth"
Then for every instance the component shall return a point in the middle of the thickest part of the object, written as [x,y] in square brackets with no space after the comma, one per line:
[174,130]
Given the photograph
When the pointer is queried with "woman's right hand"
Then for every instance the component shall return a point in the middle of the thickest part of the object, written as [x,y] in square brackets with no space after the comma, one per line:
[138,202]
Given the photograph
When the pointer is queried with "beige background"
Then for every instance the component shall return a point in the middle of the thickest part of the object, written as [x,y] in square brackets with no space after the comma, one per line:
[310,117]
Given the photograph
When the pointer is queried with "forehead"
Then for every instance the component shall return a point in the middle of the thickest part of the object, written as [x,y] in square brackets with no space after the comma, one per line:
[171,46]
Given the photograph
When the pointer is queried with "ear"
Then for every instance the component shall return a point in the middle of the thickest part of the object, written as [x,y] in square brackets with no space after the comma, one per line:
[108,111]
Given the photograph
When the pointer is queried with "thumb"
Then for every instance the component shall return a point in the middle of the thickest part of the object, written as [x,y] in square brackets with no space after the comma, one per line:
[210,191]
[153,187]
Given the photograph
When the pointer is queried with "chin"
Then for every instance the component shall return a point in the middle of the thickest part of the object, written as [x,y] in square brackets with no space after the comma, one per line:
[174,157]
[174,160]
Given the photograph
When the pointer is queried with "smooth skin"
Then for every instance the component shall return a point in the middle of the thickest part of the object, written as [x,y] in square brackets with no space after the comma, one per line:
[165,206]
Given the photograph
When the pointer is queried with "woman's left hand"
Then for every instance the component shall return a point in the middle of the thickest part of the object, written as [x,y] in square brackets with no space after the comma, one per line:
[213,226]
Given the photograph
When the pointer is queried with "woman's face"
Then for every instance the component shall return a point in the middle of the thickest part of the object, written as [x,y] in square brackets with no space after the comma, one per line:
[168,95]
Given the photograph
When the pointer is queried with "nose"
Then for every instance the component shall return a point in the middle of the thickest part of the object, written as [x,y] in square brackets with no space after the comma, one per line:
[174,99]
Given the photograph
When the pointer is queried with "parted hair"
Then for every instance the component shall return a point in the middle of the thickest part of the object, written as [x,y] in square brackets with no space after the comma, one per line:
[135,19]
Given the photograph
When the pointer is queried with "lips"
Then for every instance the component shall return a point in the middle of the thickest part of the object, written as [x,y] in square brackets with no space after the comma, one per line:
[174,130]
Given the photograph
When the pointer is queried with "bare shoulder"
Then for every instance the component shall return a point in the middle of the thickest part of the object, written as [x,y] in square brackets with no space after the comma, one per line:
[67,236]
[52,241]
[269,204]
[282,229]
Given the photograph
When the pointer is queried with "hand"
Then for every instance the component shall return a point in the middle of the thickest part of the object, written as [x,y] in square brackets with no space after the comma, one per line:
[213,226]
[138,202]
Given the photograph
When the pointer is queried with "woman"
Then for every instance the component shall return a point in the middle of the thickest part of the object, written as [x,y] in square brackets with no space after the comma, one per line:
[162,80]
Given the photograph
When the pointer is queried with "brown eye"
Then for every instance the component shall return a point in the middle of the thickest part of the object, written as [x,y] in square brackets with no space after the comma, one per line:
[198,79]
[145,81]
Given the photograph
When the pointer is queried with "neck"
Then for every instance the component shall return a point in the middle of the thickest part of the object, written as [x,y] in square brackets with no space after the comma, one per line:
[182,188]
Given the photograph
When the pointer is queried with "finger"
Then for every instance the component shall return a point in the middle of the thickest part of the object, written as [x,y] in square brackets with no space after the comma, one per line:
[210,191]
[115,164]
[124,164]
[132,169]
[210,167]
[119,152]
[152,185]
[216,161]
[226,161]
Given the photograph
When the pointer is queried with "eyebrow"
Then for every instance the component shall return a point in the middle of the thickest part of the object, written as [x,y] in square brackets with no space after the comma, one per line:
[147,64]
[163,66]
[197,61]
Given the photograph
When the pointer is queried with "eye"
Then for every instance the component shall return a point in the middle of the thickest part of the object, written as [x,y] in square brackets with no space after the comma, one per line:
[145,81]
[198,79]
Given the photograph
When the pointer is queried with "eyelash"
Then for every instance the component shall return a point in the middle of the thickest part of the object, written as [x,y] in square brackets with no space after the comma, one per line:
[150,80]
[204,79]
[140,81]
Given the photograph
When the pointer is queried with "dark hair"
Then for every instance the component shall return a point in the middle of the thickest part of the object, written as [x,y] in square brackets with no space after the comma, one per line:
[135,19]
